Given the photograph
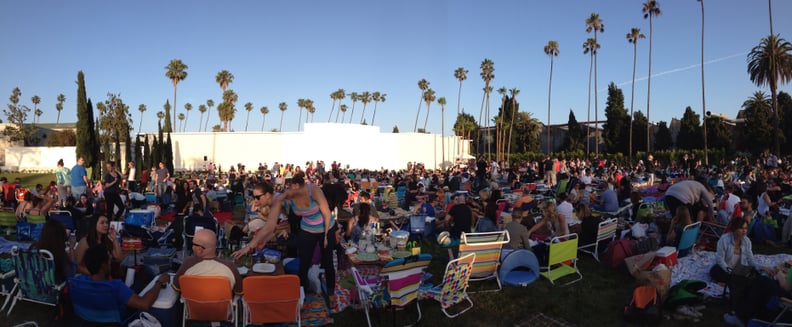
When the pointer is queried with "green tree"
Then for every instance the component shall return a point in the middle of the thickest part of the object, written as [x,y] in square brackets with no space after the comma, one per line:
[487,68]
[465,125]
[156,154]
[35,100]
[202,109]
[167,108]
[689,136]
[160,115]
[551,49]
[590,48]
[377,97]
[114,123]
[335,96]
[217,128]
[758,129]
[168,154]
[62,138]
[87,143]
[187,108]
[575,134]
[227,109]
[176,71]
[785,108]
[770,63]
[594,23]
[301,105]
[16,115]
[138,159]
[395,129]
[146,164]
[719,136]
[181,120]
[340,95]
[429,97]
[282,106]
[423,85]
[616,120]
[209,104]
[513,92]
[355,97]
[365,98]
[633,37]
[223,78]
[342,108]
[663,139]
[264,111]
[640,127]
[142,109]
[460,74]
[442,102]
[651,9]
[526,132]
[248,108]
[499,120]
[59,106]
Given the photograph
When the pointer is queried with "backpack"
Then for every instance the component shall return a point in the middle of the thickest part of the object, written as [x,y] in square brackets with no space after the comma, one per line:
[644,306]
[616,252]
[645,245]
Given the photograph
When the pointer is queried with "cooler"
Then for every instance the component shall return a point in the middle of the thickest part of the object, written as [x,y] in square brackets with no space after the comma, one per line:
[666,255]
[139,217]
[165,308]
[151,197]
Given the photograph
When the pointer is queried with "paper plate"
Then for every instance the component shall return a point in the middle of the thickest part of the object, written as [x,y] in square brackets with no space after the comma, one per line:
[401,254]
[367,256]
[242,270]
[263,268]
[351,250]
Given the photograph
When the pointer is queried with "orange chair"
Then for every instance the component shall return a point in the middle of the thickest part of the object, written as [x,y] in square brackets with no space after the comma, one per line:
[207,298]
[280,303]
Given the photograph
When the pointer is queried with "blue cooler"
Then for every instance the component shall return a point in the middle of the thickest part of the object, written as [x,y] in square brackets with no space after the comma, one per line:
[151,197]
[167,306]
[139,217]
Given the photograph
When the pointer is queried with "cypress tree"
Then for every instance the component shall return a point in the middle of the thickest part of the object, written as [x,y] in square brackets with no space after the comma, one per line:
[155,153]
[168,154]
[168,124]
[138,159]
[146,154]
[87,144]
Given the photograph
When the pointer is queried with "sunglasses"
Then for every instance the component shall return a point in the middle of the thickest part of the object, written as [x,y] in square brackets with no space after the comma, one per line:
[200,246]
[257,196]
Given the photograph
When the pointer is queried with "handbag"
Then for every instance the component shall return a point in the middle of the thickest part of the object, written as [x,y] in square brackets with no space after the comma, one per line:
[145,320]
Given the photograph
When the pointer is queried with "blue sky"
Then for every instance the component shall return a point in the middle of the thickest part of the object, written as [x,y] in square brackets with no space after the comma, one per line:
[280,51]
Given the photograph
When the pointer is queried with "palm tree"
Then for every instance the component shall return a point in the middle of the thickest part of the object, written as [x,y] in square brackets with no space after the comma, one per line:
[423,85]
[632,37]
[209,104]
[551,49]
[442,102]
[342,108]
[248,108]
[487,69]
[770,63]
[226,109]
[594,23]
[282,106]
[181,121]
[38,113]
[341,95]
[377,97]
[187,108]
[160,116]
[335,96]
[202,110]
[703,101]
[36,100]
[311,109]
[264,111]
[176,71]
[429,97]
[365,98]
[354,97]
[141,108]
[59,106]
[223,78]
[650,10]
[300,105]
[460,74]
[499,122]
[514,92]
[590,48]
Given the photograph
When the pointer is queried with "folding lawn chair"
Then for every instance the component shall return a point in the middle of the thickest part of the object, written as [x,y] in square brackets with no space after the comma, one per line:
[207,298]
[281,303]
[455,283]
[35,278]
[605,232]
[688,239]
[563,249]
[94,302]
[487,247]
[403,277]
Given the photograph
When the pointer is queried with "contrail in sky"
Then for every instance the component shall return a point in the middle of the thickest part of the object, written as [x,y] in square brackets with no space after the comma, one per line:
[680,69]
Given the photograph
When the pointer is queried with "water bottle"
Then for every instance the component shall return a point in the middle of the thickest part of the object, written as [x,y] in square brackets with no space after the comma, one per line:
[221,238]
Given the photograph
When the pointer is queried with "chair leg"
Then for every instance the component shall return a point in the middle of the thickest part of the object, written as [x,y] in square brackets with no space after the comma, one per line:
[13,303]
[8,297]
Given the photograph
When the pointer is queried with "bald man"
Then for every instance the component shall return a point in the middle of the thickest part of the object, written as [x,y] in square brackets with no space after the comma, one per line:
[204,262]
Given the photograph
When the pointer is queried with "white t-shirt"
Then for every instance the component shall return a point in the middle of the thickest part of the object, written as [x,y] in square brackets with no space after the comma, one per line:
[565,208]
[131,177]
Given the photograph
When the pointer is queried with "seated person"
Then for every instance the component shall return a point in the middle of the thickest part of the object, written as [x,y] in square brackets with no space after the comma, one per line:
[41,202]
[84,205]
[458,219]
[607,201]
[589,225]
[734,248]
[423,207]
[53,237]
[525,202]
[518,233]
[99,234]
[488,222]
[361,224]
[391,198]
[758,294]
[552,221]
[681,219]
[365,197]
[97,261]
[204,262]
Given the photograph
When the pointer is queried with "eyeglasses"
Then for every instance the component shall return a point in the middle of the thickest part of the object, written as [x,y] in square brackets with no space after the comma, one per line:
[257,196]
[200,246]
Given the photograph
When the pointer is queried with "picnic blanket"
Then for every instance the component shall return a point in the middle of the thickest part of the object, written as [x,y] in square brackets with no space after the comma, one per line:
[697,266]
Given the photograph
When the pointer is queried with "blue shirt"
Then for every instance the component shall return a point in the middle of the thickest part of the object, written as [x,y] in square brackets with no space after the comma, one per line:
[121,293]
[78,173]
[610,203]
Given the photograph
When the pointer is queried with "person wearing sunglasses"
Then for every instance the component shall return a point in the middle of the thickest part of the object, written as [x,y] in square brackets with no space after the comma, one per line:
[263,232]
[205,262]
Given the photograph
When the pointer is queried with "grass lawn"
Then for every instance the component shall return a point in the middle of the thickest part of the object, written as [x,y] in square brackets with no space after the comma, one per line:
[29,181]
[597,300]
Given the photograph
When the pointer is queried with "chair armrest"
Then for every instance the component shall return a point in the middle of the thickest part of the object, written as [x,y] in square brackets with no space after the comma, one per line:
[8,274]
[302,296]
[786,300]
[59,286]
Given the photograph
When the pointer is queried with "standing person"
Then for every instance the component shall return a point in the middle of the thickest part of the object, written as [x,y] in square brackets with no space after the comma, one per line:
[112,191]
[79,178]
[63,178]
[163,175]
[694,195]
[130,177]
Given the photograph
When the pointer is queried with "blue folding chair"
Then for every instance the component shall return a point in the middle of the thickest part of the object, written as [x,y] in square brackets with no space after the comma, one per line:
[94,301]
[688,239]
[63,216]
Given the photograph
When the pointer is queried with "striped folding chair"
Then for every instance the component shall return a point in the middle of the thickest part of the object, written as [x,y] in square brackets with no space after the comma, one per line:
[605,232]
[403,279]
[487,247]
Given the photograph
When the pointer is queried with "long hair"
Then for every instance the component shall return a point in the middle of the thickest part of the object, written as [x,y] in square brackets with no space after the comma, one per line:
[53,237]
[94,238]
[364,211]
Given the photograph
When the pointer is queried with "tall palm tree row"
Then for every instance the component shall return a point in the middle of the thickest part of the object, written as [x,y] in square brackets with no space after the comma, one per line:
[487,68]
[770,63]
[590,48]
[282,106]
[377,97]
[429,97]
[176,71]
[187,108]
[365,98]
[341,95]
[264,111]
[223,78]
[248,108]
[651,9]
[209,104]
[423,85]
[59,107]
[227,109]
[460,74]
[594,23]
[337,95]
[354,97]
[36,100]
[202,110]
[513,92]
[142,109]
[342,108]
[632,37]
[551,49]
[442,102]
